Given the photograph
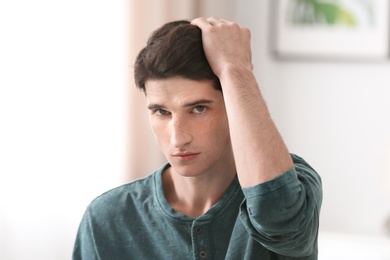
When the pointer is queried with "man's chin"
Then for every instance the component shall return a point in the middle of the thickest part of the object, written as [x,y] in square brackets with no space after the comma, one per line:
[186,170]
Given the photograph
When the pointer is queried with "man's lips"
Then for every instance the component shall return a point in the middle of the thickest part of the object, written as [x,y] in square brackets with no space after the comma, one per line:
[185,156]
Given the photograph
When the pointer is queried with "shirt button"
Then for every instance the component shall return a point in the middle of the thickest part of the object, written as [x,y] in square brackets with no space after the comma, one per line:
[199,230]
[203,254]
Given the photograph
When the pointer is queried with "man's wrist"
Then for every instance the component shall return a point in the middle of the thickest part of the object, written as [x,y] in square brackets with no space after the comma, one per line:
[237,74]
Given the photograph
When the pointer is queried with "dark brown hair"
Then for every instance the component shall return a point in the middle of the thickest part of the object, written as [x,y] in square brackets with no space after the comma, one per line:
[173,50]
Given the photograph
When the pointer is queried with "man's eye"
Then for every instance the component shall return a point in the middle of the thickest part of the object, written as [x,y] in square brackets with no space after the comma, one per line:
[161,112]
[199,109]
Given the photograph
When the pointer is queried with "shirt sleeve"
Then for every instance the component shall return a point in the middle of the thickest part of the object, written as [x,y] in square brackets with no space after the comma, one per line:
[283,214]
[84,247]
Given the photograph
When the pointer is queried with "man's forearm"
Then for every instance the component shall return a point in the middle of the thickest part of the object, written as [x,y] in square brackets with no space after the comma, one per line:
[259,150]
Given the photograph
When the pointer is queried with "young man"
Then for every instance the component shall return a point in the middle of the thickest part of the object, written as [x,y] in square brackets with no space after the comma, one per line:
[230,189]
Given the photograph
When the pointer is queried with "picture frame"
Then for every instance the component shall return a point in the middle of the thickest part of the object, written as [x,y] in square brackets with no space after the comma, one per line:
[341,30]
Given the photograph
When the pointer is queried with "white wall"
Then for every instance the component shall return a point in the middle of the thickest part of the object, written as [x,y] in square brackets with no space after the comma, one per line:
[62,119]
[335,115]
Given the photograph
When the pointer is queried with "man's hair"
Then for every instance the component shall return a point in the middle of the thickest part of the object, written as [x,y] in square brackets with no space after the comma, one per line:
[174,50]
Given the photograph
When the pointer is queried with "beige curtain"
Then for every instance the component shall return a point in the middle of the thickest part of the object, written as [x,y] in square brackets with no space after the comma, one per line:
[143,155]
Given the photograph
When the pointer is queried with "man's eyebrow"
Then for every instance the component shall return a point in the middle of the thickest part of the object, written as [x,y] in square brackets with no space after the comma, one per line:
[154,106]
[190,104]
[199,102]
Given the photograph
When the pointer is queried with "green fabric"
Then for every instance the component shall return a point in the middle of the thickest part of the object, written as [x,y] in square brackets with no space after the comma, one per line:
[275,220]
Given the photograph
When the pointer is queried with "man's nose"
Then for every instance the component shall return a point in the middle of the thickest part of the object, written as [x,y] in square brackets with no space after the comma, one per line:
[180,132]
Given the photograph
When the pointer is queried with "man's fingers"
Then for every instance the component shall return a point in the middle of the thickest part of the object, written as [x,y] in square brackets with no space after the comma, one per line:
[201,22]
[214,21]
[225,21]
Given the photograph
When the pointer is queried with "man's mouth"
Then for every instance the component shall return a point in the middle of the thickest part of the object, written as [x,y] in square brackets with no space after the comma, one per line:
[185,156]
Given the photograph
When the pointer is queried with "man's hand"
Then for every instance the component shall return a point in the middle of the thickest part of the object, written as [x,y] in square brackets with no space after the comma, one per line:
[225,44]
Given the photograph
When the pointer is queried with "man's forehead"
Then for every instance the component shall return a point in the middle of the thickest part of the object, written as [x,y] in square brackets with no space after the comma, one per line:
[177,81]
[180,91]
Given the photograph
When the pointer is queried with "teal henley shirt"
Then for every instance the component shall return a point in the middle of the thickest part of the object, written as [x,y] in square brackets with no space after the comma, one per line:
[277,219]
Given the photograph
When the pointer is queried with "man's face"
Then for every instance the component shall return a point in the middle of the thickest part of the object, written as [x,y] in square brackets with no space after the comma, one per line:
[190,123]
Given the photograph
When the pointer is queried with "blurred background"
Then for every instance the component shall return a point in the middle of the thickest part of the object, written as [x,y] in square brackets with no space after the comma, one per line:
[72,124]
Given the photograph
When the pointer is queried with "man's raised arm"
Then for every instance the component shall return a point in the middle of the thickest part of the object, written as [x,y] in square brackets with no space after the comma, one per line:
[259,151]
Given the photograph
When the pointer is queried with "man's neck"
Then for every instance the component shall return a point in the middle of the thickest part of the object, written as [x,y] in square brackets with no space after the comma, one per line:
[194,196]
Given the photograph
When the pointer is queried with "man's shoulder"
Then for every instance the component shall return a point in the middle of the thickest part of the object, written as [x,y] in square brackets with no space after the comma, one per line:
[125,197]
[133,188]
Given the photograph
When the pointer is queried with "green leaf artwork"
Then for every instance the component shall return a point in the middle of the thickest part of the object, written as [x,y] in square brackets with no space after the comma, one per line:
[350,13]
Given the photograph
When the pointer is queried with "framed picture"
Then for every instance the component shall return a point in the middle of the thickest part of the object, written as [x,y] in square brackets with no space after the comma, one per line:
[331,29]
